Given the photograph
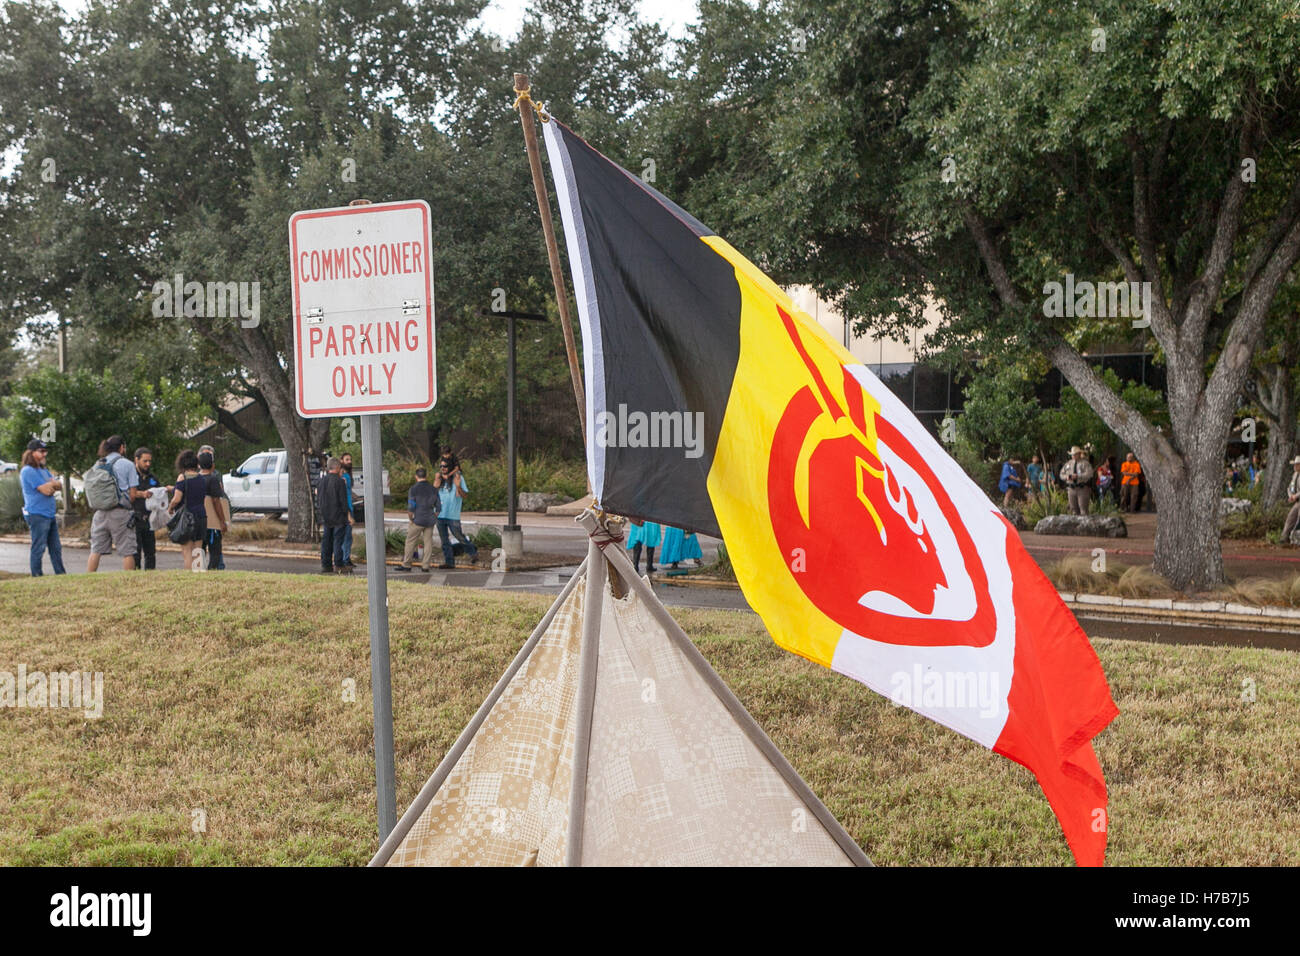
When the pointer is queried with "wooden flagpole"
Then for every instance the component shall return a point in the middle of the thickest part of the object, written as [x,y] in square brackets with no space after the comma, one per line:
[526,107]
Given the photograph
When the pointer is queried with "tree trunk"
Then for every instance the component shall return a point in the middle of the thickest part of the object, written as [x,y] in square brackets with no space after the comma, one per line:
[1187,551]
[1277,473]
[294,433]
[1278,400]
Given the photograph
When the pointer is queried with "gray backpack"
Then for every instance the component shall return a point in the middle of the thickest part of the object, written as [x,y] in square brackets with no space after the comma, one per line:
[101,487]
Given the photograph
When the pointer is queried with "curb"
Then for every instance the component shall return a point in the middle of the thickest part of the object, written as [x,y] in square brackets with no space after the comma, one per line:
[1187,612]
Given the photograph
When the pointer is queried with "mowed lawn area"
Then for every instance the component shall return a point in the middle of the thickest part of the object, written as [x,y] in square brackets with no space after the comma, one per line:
[224,710]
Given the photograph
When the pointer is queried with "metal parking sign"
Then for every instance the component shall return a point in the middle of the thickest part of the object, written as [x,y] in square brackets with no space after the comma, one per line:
[363,309]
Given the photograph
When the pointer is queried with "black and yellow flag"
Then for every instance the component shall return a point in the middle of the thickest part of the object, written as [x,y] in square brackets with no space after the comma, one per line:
[714,404]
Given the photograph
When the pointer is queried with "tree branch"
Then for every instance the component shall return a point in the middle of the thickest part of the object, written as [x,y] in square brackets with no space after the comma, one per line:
[1206,289]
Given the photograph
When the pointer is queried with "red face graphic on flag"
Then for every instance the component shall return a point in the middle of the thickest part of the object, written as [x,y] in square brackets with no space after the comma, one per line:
[868,531]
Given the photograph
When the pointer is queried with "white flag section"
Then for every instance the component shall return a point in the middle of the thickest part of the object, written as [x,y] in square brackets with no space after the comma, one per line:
[610,741]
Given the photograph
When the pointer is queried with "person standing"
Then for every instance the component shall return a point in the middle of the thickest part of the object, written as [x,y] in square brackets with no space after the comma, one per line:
[645,535]
[191,494]
[680,546]
[1010,483]
[1035,474]
[346,459]
[112,527]
[333,495]
[1130,482]
[1077,475]
[216,509]
[1293,499]
[1105,479]
[422,503]
[221,485]
[40,508]
[452,488]
[146,541]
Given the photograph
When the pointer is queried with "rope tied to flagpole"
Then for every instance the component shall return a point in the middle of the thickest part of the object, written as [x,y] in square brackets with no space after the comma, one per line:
[538,107]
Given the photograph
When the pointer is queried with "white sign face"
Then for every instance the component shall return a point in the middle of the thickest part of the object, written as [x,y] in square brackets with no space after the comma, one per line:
[363,309]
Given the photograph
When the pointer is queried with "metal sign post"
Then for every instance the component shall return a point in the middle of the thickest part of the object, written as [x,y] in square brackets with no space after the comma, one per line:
[381,684]
[363,344]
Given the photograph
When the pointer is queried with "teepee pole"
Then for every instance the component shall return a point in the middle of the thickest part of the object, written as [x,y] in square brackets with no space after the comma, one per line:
[585,705]
[615,556]
[458,749]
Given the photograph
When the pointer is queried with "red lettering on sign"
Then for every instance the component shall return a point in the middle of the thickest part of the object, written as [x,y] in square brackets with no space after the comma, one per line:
[314,336]
[338,381]
[412,335]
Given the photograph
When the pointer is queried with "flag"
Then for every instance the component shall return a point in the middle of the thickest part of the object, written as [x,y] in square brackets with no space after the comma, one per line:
[715,405]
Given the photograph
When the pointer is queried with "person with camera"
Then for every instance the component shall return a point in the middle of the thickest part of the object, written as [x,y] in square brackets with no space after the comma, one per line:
[452,488]
[1077,476]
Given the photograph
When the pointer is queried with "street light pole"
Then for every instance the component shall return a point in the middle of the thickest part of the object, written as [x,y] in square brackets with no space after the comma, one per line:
[512,536]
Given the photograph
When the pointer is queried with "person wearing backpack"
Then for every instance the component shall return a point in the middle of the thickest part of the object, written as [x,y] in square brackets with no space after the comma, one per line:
[111,488]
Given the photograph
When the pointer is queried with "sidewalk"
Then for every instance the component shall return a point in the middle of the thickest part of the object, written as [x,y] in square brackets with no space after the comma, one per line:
[1240,558]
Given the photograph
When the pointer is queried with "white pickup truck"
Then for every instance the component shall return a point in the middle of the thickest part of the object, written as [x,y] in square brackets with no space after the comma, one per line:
[261,484]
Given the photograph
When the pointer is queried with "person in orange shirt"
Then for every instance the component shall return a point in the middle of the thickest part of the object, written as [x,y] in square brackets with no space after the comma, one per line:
[1130,483]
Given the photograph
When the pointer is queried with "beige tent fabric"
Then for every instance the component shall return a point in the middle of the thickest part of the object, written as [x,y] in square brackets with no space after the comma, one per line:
[506,802]
[672,779]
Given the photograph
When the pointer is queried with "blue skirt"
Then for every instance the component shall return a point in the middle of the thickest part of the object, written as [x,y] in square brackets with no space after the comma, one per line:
[647,534]
[679,546]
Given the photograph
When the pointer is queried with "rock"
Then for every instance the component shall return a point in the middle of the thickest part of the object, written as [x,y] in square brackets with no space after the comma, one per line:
[1095,526]
[1016,518]
[539,501]
[1234,506]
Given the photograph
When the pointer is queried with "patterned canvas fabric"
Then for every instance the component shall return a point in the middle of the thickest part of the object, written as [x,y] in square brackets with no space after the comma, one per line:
[506,803]
[672,777]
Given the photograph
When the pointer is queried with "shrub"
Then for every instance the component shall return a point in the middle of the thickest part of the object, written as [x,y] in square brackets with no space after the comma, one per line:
[487,539]
[722,566]
[1256,523]
[11,504]
[264,529]
[1053,502]
[394,542]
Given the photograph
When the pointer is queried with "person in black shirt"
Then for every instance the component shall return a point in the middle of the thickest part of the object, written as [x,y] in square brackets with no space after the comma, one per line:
[145,540]
[217,507]
[422,512]
[332,493]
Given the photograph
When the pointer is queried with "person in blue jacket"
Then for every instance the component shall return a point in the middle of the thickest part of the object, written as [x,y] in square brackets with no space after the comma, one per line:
[1012,482]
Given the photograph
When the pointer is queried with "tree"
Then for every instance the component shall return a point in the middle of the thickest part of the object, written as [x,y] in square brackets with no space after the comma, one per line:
[76,411]
[971,155]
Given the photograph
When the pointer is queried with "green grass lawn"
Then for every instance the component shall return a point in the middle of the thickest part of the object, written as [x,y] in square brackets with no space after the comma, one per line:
[224,705]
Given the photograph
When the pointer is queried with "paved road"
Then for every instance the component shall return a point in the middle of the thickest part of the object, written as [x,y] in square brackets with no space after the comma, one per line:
[13,557]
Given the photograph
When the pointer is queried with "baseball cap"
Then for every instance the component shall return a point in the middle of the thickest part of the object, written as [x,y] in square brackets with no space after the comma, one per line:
[36,445]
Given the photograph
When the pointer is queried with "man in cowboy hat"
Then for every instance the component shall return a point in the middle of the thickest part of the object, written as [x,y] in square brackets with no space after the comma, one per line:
[1076,474]
[1293,499]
